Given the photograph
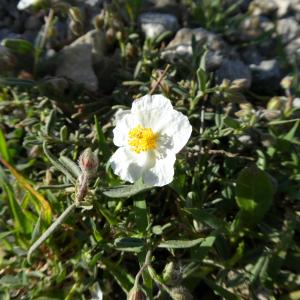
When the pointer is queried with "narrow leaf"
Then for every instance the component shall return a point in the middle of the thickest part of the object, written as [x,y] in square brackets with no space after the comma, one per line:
[54,226]
[70,165]
[46,209]
[179,244]
[22,223]
[123,278]
[3,147]
[126,191]
[141,214]
[209,219]
[18,46]
[57,164]
[129,244]
[101,140]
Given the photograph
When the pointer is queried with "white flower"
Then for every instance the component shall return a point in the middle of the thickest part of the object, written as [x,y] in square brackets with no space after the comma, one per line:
[23,4]
[149,136]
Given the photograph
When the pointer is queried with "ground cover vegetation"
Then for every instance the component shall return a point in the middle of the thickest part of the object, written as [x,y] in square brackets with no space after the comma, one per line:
[225,225]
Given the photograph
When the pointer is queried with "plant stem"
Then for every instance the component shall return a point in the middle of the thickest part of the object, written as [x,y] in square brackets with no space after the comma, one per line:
[54,226]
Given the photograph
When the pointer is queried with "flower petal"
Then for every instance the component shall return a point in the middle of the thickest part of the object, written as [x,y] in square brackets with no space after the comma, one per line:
[177,127]
[162,172]
[150,109]
[123,126]
[129,165]
[120,114]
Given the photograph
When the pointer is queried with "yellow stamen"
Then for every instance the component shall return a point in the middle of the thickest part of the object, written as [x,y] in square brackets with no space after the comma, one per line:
[141,139]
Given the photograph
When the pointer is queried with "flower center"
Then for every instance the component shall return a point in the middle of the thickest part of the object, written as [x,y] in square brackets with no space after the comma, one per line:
[141,139]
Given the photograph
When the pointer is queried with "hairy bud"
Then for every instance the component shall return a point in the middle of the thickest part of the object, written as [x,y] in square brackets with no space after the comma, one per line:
[88,162]
[136,293]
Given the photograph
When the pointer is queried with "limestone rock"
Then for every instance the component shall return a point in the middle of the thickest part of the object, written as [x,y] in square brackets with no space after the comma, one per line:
[76,60]
[154,24]
[181,46]
[266,76]
[288,29]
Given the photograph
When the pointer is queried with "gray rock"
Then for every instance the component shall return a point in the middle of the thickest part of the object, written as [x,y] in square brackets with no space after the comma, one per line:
[251,55]
[254,26]
[283,7]
[6,60]
[263,7]
[181,46]
[106,69]
[153,24]
[76,60]
[163,6]
[7,34]
[293,49]
[288,29]
[286,7]
[33,23]
[76,64]
[94,2]
[233,69]
[266,76]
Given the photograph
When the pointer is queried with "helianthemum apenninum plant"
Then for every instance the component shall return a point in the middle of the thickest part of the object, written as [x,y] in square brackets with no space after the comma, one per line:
[149,166]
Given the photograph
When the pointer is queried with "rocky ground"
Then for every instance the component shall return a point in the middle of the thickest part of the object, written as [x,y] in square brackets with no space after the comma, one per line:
[260,46]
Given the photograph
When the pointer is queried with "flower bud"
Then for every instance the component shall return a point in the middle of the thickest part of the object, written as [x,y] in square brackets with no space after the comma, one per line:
[181,293]
[136,293]
[275,104]
[88,162]
[286,82]
[238,84]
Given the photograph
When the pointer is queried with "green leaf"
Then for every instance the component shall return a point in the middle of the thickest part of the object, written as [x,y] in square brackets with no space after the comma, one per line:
[220,291]
[141,214]
[205,246]
[129,244]
[292,132]
[123,278]
[3,235]
[46,209]
[101,140]
[258,271]
[232,123]
[50,122]
[70,165]
[54,226]
[18,46]
[126,191]
[3,147]
[37,228]
[209,219]
[109,217]
[254,196]
[179,244]
[57,164]
[10,281]
[22,224]
[11,81]
[202,79]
